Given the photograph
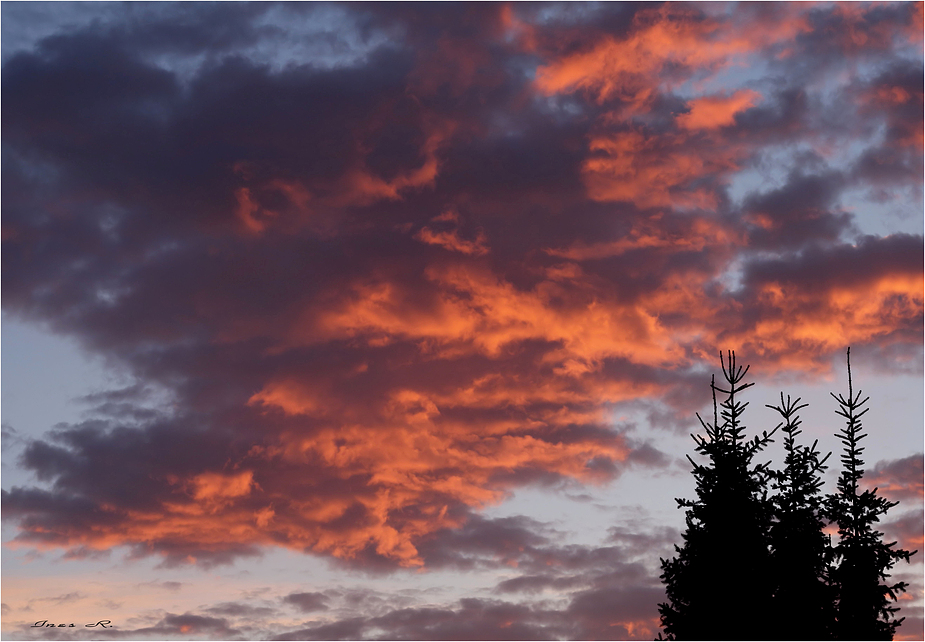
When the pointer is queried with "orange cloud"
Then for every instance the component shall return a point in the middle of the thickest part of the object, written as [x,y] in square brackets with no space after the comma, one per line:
[408,455]
[252,211]
[822,322]
[357,186]
[292,398]
[665,48]
[364,187]
[451,241]
[209,486]
[346,472]
[470,306]
[247,211]
[641,629]
[624,68]
[656,170]
[650,234]
[672,36]
[794,324]
[418,453]
[711,112]
[467,310]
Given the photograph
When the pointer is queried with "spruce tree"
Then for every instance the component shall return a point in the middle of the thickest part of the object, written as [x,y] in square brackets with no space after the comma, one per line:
[721,575]
[864,608]
[803,604]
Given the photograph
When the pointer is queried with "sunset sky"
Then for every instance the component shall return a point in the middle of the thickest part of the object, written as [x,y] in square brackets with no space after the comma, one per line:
[357,321]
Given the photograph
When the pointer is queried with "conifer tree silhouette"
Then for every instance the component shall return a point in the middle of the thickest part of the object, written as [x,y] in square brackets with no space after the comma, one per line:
[773,551]
[803,607]
[863,558]
[723,569]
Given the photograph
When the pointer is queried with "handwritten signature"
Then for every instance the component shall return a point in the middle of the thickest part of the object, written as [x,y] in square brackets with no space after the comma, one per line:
[106,624]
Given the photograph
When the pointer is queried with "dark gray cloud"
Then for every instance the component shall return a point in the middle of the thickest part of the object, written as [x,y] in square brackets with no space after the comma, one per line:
[471,619]
[345,629]
[798,213]
[187,624]
[608,595]
[486,542]
[818,269]
[307,602]
[239,610]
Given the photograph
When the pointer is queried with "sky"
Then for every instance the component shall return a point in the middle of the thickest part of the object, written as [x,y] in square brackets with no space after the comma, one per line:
[359,321]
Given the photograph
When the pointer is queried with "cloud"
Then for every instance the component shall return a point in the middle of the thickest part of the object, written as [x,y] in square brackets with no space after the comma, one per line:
[669,234]
[585,591]
[710,112]
[897,94]
[654,169]
[62,599]
[483,542]
[471,619]
[868,292]
[891,100]
[187,624]
[84,553]
[545,590]
[897,479]
[168,585]
[10,436]
[906,530]
[346,629]
[629,614]
[390,277]
[797,213]
[450,239]
[236,609]
[307,602]
[663,43]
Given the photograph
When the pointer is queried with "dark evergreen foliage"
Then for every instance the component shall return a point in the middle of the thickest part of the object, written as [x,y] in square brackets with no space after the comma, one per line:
[724,564]
[863,558]
[754,566]
[804,603]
